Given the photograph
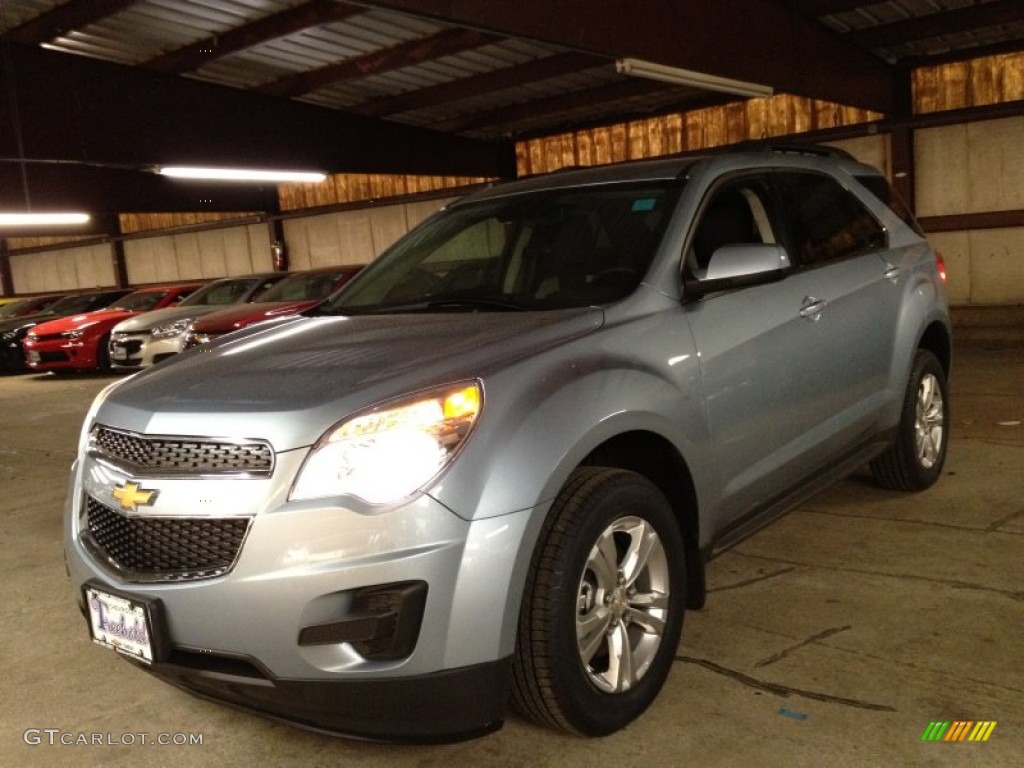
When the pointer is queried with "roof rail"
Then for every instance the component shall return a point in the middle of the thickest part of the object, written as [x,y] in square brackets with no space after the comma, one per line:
[796,148]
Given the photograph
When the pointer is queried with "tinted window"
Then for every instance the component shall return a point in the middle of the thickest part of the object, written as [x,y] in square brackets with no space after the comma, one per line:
[302,286]
[826,221]
[881,189]
[219,292]
[139,302]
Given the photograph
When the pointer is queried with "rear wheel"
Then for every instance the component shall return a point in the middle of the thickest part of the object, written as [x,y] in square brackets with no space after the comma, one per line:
[603,608]
[914,461]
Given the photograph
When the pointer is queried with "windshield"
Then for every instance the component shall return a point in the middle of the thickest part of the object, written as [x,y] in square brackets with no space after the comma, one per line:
[73,305]
[139,302]
[546,250]
[219,292]
[302,286]
[14,308]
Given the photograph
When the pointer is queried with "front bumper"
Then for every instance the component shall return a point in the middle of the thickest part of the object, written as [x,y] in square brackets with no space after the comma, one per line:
[446,706]
[136,351]
[242,637]
[62,354]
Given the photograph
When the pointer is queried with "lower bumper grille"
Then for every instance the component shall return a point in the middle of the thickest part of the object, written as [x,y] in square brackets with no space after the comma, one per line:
[163,548]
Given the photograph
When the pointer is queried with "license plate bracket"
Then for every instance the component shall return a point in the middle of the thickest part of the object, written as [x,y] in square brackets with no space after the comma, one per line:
[133,625]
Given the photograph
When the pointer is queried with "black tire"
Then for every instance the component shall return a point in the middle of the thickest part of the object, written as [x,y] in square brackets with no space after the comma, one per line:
[103,355]
[914,460]
[552,683]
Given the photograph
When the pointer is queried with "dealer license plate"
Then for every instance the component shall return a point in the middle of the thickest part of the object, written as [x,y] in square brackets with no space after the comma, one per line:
[119,353]
[120,623]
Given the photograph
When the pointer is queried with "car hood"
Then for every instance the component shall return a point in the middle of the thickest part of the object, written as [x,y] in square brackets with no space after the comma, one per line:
[104,317]
[289,383]
[233,318]
[148,320]
[14,323]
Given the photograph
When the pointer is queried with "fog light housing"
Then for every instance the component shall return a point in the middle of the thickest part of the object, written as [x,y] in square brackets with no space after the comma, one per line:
[383,623]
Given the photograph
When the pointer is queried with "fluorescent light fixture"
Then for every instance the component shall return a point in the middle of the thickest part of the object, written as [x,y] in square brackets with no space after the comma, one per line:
[41,219]
[677,76]
[237,174]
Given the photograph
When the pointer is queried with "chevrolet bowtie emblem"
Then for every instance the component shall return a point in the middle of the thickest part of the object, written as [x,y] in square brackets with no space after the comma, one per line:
[131,496]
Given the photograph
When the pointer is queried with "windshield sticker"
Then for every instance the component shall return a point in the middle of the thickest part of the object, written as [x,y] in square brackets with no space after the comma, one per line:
[643,204]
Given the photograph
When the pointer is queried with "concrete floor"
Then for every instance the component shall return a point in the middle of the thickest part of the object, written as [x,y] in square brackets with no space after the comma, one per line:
[833,637]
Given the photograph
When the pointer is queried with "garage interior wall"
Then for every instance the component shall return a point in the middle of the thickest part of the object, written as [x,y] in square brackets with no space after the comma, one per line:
[202,254]
[342,237]
[63,269]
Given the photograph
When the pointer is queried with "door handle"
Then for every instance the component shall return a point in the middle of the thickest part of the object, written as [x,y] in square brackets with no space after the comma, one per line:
[812,308]
[892,273]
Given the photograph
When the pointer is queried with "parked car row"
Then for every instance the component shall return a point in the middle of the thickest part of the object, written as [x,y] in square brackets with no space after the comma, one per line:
[125,330]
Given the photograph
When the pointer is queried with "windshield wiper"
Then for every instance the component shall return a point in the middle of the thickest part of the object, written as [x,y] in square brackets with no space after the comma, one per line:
[477,302]
[467,303]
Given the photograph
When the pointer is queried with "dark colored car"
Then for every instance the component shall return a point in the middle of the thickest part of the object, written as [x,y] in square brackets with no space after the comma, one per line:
[81,342]
[14,330]
[292,295]
[30,305]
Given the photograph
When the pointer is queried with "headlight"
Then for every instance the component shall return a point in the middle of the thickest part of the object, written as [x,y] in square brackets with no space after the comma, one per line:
[389,453]
[71,334]
[177,328]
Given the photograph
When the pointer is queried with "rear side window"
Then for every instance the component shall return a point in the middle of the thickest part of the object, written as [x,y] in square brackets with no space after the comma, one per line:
[826,221]
[881,189]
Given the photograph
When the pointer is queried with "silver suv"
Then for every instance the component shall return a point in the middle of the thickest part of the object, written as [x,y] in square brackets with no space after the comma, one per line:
[497,461]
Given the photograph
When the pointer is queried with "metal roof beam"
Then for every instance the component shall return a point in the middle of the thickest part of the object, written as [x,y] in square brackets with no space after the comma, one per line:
[487,82]
[818,8]
[65,18]
[287,22]
[764,42]
[937,24]
[404,54]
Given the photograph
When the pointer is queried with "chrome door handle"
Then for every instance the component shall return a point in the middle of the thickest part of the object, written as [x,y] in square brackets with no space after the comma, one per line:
[812,308]
[892,273]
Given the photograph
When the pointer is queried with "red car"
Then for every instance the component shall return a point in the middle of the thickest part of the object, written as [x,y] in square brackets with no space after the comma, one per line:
[295,293]
[80,342]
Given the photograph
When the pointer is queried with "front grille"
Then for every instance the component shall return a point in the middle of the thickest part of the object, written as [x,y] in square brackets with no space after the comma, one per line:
[163,548]
[164,455]
[131,346]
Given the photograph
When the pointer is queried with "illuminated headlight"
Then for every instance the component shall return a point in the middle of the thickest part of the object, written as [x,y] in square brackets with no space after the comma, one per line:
[177,328]
[389,453]
[76,334]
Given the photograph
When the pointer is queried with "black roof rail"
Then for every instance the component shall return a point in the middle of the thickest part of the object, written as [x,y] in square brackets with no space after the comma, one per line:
[791,147]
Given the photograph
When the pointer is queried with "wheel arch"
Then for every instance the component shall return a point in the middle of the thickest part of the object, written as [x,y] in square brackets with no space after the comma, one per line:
[652,456]
[936,340]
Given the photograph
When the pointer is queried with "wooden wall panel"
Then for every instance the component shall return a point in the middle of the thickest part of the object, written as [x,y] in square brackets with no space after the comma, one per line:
[972,83]
[343,188]
[64,269]
[873,150]
[970,167]
[780,115]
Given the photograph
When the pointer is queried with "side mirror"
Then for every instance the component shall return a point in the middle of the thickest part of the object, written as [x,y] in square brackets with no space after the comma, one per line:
[736,266]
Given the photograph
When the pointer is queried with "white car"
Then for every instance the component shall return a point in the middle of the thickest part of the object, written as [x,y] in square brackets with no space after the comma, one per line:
[140,342]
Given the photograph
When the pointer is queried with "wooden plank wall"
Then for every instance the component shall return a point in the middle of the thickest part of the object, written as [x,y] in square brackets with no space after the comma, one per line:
[780,115]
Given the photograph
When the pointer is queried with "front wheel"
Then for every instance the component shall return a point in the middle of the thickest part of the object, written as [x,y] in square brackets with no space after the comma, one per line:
[914,461]
[603,608]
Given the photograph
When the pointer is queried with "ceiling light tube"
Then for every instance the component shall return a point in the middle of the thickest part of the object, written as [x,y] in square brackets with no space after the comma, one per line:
[677,76]
[238,174]
[41,219]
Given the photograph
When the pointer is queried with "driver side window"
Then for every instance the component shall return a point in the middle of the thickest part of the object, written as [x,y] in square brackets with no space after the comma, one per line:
[735,214]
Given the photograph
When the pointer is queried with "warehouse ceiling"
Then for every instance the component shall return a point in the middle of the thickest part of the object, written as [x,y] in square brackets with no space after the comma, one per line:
[96,92]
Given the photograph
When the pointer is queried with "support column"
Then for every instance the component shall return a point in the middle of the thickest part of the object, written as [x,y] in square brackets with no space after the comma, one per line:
[901,142]
[6,278]
[112,226]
